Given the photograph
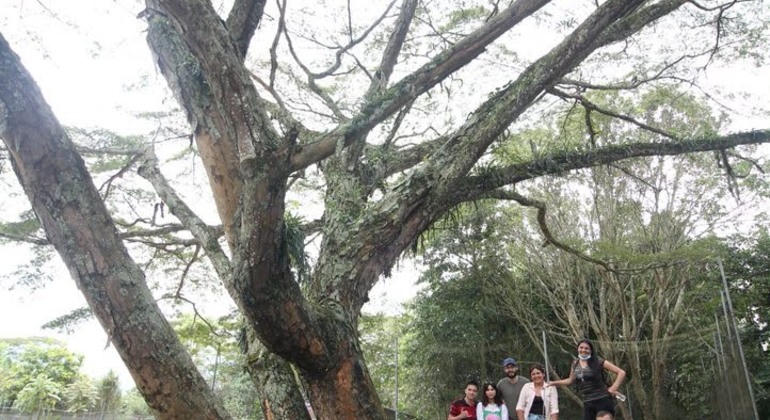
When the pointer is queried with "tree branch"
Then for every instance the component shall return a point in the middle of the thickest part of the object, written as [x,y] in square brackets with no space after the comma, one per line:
[470,187]
[203,234]
[634,22]
[242,22]
[632,84]
[164,230]
[227,80]
[185,271]
[24,238]
[541,211]
[107,185]
[419,82]
[393,50]
[353,42]
[276,39]
[311,81]
[382,75]
[593,107]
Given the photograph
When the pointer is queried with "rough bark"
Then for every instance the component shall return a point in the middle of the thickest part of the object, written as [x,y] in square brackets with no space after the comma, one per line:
[261,282]
[77,223]
[276,382]
[242,22]
[347,391]
[209,124]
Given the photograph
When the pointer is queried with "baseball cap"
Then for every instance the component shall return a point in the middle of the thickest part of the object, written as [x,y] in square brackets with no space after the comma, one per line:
[509,361]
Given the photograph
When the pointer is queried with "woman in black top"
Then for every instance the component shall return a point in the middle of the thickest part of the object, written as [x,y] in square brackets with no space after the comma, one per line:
[586,373]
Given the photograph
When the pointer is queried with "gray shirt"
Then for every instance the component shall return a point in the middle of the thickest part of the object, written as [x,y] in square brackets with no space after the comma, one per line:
[510,392]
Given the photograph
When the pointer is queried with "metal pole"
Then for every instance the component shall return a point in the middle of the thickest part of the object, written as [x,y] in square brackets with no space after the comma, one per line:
[738,339]
[395,408]
[545,354]
[630,406]
[724,310]
[720,349]
[722,365]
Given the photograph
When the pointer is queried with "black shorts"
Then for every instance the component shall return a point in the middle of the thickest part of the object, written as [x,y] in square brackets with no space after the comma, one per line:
[590,408]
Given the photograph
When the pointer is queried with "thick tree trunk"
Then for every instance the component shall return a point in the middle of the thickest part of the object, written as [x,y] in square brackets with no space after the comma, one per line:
[345,392]
[276,383]
[77,223]
[218,151]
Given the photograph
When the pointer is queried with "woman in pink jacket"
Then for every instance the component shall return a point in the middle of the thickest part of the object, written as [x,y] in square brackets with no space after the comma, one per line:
[536,402]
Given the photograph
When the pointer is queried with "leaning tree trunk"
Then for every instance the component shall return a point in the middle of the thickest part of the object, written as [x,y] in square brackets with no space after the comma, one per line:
[77,223]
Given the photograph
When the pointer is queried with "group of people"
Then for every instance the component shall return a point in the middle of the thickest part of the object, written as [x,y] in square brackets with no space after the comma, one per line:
[515,397]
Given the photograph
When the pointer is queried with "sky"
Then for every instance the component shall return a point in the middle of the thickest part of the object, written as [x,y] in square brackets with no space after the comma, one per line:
[94,68]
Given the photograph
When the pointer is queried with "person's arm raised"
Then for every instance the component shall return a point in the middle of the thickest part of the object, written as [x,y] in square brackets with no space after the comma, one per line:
[562,382]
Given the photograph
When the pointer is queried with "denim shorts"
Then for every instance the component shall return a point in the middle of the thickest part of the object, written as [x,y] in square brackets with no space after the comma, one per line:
[535,417]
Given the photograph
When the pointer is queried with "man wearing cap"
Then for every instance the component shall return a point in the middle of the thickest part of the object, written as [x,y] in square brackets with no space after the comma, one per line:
[511,385]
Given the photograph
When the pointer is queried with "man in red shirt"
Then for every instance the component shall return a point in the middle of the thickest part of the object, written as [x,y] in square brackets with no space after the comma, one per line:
[465,408]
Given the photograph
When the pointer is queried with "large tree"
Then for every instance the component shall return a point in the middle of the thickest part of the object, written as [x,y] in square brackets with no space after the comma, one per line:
[256,133]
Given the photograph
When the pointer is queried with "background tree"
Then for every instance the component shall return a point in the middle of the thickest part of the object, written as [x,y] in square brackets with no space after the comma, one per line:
[24,360]
[382,338]
[458,330]
[215,347]
[80,396]
[389,163]
[237,390]
[746,269]
[38,396]
[108,394]
[133,404]
[636,236]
